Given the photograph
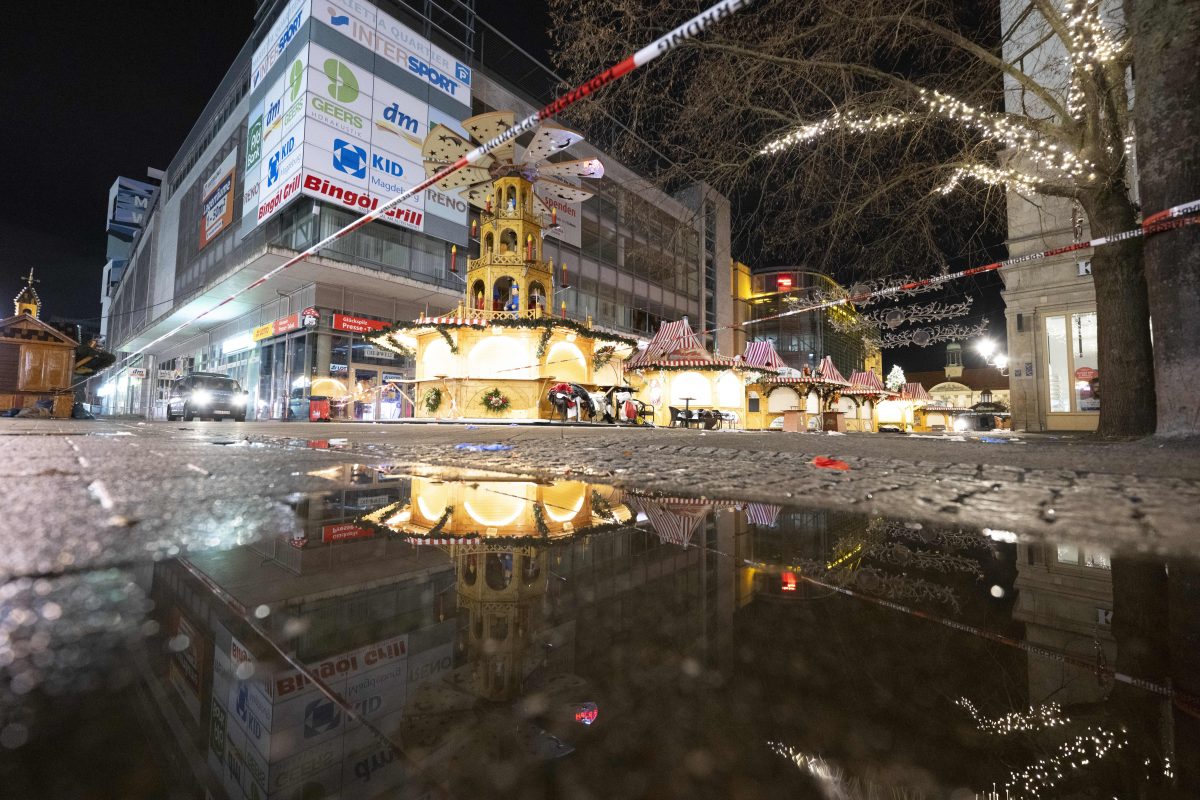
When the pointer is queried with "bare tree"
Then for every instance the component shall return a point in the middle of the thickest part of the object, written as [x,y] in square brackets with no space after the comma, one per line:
[871,137]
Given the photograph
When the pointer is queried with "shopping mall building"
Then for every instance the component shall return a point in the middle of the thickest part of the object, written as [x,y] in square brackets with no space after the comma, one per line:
[321,115]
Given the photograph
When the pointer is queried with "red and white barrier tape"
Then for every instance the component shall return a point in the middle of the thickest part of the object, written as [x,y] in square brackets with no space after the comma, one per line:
[1186,702]
[1169,219]
[664,44]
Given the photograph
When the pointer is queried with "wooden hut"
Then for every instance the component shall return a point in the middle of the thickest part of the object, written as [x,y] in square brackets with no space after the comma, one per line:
[36,359]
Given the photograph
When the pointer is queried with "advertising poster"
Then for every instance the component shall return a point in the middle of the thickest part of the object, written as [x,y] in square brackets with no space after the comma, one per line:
[217,205]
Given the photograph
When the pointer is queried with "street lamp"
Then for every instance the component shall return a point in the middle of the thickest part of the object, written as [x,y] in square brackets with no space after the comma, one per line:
[987,349]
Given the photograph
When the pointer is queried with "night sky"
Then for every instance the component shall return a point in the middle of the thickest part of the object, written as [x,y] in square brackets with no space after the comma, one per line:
[98,90]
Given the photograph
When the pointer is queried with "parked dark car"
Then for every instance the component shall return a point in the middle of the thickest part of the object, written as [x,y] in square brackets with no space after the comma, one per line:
[204,394]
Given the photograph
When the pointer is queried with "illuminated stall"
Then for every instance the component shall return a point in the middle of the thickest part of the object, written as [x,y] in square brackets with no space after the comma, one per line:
[503,349]
[676,375]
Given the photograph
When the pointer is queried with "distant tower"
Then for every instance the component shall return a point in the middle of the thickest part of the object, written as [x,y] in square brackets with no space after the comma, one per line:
[954,365]
[510,270]
[27,300]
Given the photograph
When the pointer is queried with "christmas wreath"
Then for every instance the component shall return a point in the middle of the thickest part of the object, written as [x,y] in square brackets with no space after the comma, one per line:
[432,399]
[495,401]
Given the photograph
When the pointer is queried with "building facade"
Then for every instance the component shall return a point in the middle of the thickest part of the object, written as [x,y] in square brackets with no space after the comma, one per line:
[801,340]
[320,117]
[1050,304]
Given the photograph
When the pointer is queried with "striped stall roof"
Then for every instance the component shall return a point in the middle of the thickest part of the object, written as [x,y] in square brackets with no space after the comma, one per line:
[762,355]
[830,373]
[675,525]
[423,320]
[676,344]
[764,514]
[866,382]
[914,391]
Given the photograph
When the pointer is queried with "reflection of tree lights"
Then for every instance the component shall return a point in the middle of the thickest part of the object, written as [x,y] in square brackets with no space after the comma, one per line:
[1047,716]
[1091,745]
[789,582]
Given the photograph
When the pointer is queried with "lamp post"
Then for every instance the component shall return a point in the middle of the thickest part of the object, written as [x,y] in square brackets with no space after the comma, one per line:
[987,349]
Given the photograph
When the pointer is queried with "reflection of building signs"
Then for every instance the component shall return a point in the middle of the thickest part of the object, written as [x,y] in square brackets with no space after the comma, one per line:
[321,716]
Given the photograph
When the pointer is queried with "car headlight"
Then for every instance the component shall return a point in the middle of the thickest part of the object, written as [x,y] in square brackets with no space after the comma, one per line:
[201,397]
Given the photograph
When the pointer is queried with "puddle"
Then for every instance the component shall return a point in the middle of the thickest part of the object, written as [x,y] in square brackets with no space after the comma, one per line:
[447,634]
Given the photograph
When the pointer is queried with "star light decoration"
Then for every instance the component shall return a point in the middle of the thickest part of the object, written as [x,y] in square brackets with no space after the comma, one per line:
[1038,718]
[923,337]
[904,315]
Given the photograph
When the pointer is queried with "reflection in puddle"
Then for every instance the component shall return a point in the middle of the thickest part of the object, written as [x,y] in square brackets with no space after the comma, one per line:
[464,635]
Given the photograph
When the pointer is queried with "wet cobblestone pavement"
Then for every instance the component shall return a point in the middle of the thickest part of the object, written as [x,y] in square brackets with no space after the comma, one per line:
[319,611]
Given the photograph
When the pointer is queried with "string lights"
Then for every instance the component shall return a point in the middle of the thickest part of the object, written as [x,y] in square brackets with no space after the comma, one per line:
[839,120]
[1092,745]
[1038,718]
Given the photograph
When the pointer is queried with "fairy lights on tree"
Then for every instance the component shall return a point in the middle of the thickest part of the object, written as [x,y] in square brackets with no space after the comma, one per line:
[861,135]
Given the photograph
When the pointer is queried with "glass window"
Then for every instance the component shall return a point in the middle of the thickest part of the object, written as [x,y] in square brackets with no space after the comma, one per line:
[1086,358]
[1057,367]
[1068,554]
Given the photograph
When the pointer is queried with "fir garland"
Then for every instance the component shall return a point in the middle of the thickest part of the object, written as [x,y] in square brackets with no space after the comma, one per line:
[441,523]
[509,322]
[449,340]
[544,342]
[539,520]
[432,399]
[495,401]
[602,356]
[601,508]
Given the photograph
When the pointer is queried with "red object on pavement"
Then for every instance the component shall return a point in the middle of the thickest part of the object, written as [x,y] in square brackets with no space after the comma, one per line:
[829,463]
[318,409]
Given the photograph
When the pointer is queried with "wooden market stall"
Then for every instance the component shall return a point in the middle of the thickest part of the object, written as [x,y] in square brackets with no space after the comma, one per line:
[684,382]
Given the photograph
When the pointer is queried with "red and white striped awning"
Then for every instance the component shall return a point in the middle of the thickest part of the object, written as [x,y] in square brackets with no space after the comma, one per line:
[675,519]
[423,320]
[762,355]
[676,345]
[764,514]
[866,382]
[914,391]
[443,541]
[830,373]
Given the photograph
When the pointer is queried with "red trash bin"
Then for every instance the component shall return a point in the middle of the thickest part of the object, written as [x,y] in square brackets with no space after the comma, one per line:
[318,409]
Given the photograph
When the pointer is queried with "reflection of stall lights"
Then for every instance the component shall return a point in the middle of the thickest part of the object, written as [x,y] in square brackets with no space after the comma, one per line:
[960,424]
[491,523]
[845,557]
[329,473]
[1008,537]
[400,518]
[587,713]
[424,509]
[789,582]
[300,382]
[563,514]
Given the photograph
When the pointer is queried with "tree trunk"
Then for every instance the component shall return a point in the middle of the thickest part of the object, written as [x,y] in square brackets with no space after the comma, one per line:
[1166,42]
[1122,318]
